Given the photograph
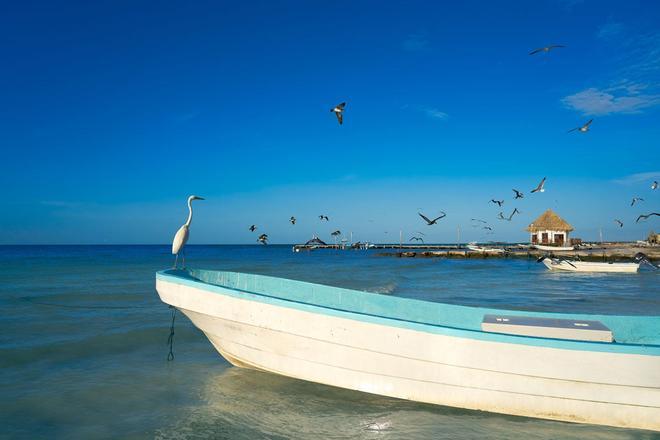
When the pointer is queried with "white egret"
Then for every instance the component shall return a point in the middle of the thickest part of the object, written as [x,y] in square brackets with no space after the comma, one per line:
[181,237]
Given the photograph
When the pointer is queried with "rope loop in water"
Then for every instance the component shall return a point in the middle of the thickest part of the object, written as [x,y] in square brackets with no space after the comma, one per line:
[170,339]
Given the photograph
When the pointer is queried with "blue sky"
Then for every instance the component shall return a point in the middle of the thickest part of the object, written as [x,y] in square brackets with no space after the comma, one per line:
[113,113]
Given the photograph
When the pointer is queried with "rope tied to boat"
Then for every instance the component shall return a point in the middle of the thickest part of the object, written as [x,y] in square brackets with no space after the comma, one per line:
[170,339]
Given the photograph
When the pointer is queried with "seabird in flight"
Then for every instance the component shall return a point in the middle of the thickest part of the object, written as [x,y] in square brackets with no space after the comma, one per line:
[430,222]
[499,202]
[478,220]
[324,217]
[519,195]
[263,238]
[336,233]
[635,200]
[583,129]
[339,110]
[292,220]
[619,222]
[253,228]
[539,188]
[645,216]
[545,49]
[417,239]
[514,212]
[654,185]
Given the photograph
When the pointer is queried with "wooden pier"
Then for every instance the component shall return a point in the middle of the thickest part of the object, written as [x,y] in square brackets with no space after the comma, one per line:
[605,252]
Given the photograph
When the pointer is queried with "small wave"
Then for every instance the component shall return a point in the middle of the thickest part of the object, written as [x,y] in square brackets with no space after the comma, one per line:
[385,289]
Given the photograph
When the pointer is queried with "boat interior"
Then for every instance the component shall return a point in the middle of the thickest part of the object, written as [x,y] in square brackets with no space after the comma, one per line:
[623,330]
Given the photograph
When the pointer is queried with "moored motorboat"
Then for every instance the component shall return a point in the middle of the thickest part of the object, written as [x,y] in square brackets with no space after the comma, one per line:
[598,369]
[589,266]
[576,265]
[542,247]
[473,246]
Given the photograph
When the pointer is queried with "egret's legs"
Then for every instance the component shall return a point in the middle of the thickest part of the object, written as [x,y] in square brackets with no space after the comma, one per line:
[176,260]
[184,258]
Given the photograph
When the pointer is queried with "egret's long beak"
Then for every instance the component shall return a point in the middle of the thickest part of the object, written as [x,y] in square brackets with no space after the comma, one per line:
[198,198]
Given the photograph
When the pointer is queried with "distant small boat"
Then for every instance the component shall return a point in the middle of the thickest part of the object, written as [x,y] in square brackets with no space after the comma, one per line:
[488,250]
[601,369]
[554,263]
[589,266]
[553,248]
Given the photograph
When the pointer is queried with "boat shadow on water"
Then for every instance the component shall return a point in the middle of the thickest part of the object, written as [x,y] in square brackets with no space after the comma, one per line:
[239,403]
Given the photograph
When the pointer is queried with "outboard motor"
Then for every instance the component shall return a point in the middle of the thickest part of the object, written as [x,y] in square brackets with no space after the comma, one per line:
[641,258]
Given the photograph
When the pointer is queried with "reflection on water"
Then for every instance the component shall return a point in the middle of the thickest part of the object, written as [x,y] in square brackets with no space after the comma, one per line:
[249,404]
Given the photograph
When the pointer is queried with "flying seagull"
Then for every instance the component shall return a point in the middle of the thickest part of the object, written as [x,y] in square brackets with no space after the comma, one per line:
[635,200]
[417,239]
[619,222]
[645,216]
[583,129]
[339,110]
[292,220]
[263,238]
[654,185]
[430,222]
[501,216]
[519,195]
[324,217]
[478,220]
[514,212]
[539,188]
[487,227]
[253,228]
[545,49]
[499,202]
[336,233]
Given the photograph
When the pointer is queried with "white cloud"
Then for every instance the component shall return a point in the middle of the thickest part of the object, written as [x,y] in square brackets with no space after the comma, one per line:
[434,113]
[632,179]
[431,112]
[636,57]
[620,99]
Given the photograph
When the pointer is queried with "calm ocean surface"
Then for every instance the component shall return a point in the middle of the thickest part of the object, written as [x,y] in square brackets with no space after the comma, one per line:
[83,346]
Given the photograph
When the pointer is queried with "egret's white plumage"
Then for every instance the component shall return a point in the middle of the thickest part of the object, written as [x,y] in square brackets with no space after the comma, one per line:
[180,239]
[181,236]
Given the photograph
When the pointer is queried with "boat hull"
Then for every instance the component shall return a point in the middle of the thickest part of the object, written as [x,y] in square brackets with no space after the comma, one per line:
[588,266]
[485,250]
[377,356]
[553,248]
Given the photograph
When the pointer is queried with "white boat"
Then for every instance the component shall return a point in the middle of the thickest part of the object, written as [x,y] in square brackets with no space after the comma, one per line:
[474,247]
[589,266]
[599,369]
[553,248]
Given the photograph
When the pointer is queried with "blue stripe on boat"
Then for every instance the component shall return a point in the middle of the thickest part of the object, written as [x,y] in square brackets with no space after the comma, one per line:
[632,334]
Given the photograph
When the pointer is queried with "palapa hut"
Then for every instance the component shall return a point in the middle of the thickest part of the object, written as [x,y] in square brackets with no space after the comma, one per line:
[653,238]
[549,229]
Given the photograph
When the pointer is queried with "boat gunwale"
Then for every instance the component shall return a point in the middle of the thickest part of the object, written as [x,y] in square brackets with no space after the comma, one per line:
[616,347]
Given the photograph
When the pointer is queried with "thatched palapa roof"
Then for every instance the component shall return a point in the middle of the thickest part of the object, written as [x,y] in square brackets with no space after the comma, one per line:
[549,221]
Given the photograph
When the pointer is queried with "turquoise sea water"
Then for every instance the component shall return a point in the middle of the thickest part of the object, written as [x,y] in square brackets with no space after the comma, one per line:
[83,346]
